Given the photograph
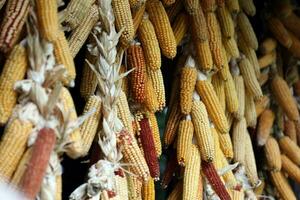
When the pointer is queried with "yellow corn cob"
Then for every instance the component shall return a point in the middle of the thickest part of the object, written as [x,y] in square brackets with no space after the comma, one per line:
[136,4]
[150,44]
[240,90]
[218,85]
[123,20]
[247,31]
[13,145]
[232,103]
[151,102]
[250,79]
[290,149]
[225,71]
[158,86]
[215,39]
[267,59]
[290,130]
[15,180]
[172,123]
[200,188]
[184,140]
[89,81]
[265,125]
[89,127]
[250,111]
[148,190]
[268,45]
[138,16]
[191,174]
[174,9]
[272,153]
[226,145]
[264,77]
[229,118]
[231,47]
[239,134]
[176,193]
[203,55]
[228,177]
[202,131]
[180,27]
[192,6]
[124,112]
[284,98]
[81,33]
[261,105]
[290,168]
[47,18]
[155,132]
[250,163]
[248,7]
[280,32]
[236,195]
[198,22]
[13,70]
[134,188]
[282,186]
[163,29]
[58,192]
[217,161]
[63,56]
[121,189]
[233,6]
[187,86]
[212,104]
[209,5]
[226,22]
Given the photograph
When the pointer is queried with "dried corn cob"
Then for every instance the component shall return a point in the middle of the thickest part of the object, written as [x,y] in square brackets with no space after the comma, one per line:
[250,111]
[240,90]
[158,86]
[184,140]
[172,124]
[180,27]
[192,6]
[247,31]
[236,195]
[202,131]
[148,190]
[150,44]
[267,59]
[191,174]
[124,21]
[15,15]
[138,16]
[203,55]
[124,112]
[218,85]
[88,82]
[290,130]
[208,5]
[176,193]
[136,4]
[284,98]
[174,9]
[89,127]
[279,32]
[282,186]
[134,188]
[232,103]
[200,188]
[58,188]
[233,6]
[212,104]
[226,145]
[290,168]
[290,149]
[151,101]
[15,180]
[14,70]
[250,163]
[268,45]
[265,125]
[163,29]
[226,22]
[250,79]
[136,61]
[248,7]
[13,145]
[294,49]
[239,133]
[155,131]
[218,152]
[231,47]
[261,105]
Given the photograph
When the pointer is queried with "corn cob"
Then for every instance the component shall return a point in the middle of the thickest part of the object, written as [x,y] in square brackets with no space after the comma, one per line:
[233,6]
[265,125]
[267,59]
[81,33]
[236,195]
[250,163]
[138,16]
[202,131]
[136,4]
[279,32]
[13,145]
[187,85]
[250,79]
[200,188]
[294,49]
[290,130]
[213,178]
[88,82]
[240,90]
[16,178]
[63,56]
[229,118]
[174,9]
[250,111]
[76,11]
[218,85]
[14,70]
[226,22]
[158,86]
[150,44]
[132,154]
[229,177]
[184,140]
[163,29]
[208,5]
[48,19]
[124,21]
[282,186]
[290,168]
[218,152]
[134,188]
[231,47]
[247,31]
[248,7]
[204,55]
[192,7]
[268,45]
[151,102]
[226,145]
[176,193]
[191,174]
[284,98]
[136,61]
[15,15]
[232,103]
[261,105]
[180,27]
[239,134]
[290,149]
[124,112]
[89,127]
[155,132]
[58,188]
[148,190]
[212,104]
[291,22]
[32,178]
